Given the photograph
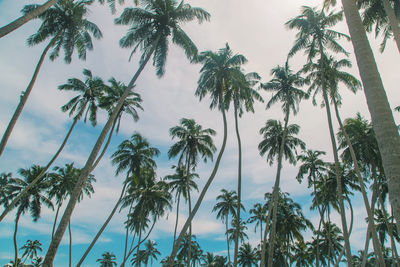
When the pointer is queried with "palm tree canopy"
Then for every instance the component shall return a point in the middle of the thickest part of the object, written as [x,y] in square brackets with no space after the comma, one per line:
[182,183]
[312,166]
[227,204]
[66,25]
[107,259]
[152,25]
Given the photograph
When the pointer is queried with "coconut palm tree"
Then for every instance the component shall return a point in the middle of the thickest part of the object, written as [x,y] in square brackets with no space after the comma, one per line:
[150,252]
[193,142]
[382,118]
[259,217]
[247,256]
[66,26]
[219,70]
[224,208]
[84,104]
[32,200]
[5,179]
[232,232]
[31,249]
[150,29]
[107,259]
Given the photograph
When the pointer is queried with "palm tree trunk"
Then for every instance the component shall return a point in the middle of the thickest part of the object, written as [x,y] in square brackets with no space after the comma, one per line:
[127,236]
[70,243]
[275,198]
[393,21]
[239,191]
[105,147]
[51,253]
[350,230]
[373,201]
[138,259]
[177,216]
[338,178]
[104,225]
[378,105]
[227,239]
[203,192]
[132,242]
[55,220]
[24,19]
[23,98]
[261,233]
[321,219]
[190,210]
[15,238]
[393,244]
[377,247]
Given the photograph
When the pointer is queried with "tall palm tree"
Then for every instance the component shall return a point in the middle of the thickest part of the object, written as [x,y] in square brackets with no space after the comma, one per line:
[151,27]
[284,86]
[31,249]
[150,252]
[66,26]
[225,207]
[232,232]
[219,70]
[259,210]
[84,104]
[243,96]
[272,145]
[32,200]
[193,141]
[382,118]
[247,256]
[107,259]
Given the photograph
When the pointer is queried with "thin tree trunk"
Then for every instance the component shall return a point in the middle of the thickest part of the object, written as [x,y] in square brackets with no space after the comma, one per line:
[55,220]
[373,201]
[24,19]
[15,239]
[394,23]
[190,210]
[394,249]
[319,226]
[330,250]
[132,242]
[275,195]
[350,230]
[51,253]
[203,192]
[104,225]
[37,178]
[382,118]
[105,146]
[177,215]
[127,236]
[377,247]
[227,239]
[23,99]
[338,178]
[261,233]
[239,191]
[70,243]
[138,259]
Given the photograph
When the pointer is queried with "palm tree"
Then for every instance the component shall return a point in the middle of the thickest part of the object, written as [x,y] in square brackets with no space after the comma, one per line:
[151,27]
[65,24]
[107,259]
[232,232]
[12,26]
[316,36]
[382,118]
[5,179]
[243,96]
[247,256]
[32,200]
[150,252]
[193,141]
[284,85]
[84,104]
[259,217]
[30,249]
[219,71]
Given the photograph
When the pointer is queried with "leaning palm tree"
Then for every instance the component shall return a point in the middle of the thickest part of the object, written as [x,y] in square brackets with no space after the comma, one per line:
[225,207]
[66,26]
[382,118]
[81,105]
[277,143]
[219,70]
[193,142]
[107,260]
[284,85]
[150,28]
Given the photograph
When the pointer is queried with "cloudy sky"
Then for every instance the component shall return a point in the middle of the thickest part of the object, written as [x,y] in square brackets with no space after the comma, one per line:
[254,28]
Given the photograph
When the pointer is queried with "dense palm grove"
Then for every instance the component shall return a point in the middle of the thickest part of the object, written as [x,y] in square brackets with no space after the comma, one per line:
[366,154]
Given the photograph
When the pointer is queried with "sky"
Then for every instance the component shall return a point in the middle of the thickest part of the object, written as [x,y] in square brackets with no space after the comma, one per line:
[254,28]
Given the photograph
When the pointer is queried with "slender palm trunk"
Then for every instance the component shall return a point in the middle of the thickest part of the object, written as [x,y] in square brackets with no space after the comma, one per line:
[204,191]
[177,216]
[127,236]
[104,225]
[138,259]
[15,238]
[190,210]
[23,99]
[239,191]
[37,178]
[55,220]
[377,247]
[338,178]
[105,146]
[350,230]
[132,242]
[321,219]
[373,202]
[393,21]
[51,253]
[378,105]
[261,233]
[275,198]
[227,239]
[70,243]
[24,19]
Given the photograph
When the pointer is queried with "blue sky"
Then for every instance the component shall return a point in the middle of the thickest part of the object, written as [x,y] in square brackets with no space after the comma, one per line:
[253,28]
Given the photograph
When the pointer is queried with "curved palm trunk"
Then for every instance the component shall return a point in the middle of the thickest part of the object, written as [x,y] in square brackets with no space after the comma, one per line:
[105,147]
[203,192]
[127,237]
[338,179]
[15,238]
[378,105]
[350,230]
[373,202]
[55,220]
[51,253]
[103,227]
[190,211]
[276,192]
[24,19]
[70,243]
[37,179]
[393,21]
[227,239]
[320,222]
[377,247]
[177,215]
[239,191]
[138,259]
